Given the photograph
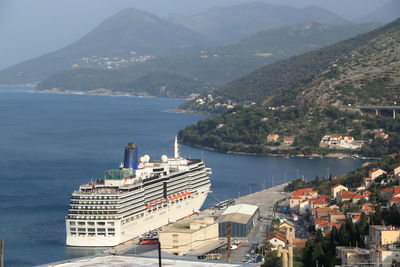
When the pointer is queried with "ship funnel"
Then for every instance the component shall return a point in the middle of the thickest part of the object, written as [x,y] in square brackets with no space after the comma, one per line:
[131,156]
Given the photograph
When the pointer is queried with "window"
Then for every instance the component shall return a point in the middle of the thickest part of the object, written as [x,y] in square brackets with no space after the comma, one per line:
[111,229]
[101,229]
[81,223]
[72,223]
[101,223]
[81,229]
[175,235]
[72,229]
[91,230]
[111,223]
[91,223]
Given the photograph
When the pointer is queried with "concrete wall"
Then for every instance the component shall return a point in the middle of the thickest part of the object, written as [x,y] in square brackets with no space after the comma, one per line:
[180,242]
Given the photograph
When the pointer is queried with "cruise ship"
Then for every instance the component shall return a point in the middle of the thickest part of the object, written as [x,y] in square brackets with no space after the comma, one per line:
[138,197]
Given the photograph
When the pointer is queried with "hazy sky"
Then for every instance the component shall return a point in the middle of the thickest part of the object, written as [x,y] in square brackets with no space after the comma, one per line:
[29,28]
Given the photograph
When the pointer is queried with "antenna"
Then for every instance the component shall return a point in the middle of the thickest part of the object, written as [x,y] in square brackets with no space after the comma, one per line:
[176,148]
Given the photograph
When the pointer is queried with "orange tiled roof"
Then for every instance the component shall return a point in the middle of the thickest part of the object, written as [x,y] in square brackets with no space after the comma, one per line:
[277,235]
[299,242]
[395,200]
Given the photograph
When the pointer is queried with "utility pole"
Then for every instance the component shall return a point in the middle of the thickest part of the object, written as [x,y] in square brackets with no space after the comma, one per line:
[1,252]
[228,236]
[159,254]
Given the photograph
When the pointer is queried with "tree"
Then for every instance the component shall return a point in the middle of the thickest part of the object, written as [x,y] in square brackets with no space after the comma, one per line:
[344,237]
[272,259]
[377,216]
[318,254]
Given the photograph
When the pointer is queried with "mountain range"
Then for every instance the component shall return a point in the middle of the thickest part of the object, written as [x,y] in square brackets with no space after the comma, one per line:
[128,33]
[360,70]
[205,68]
[227,24]
[133,33]
[306,97]
[386,13]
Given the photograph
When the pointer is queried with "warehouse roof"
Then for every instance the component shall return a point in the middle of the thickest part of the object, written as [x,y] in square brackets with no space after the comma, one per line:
[241,208]
[238,213]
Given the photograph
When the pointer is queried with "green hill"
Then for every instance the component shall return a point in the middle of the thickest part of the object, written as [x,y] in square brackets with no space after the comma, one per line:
[215,65]
[349,72]
[126,35]
[301,97]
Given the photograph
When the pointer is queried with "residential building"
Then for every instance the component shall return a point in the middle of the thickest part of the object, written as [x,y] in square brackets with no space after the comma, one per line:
[391,192]
[288,140]
[367,181]
[328,214]
[367,208]
[383,235]
[338,141]
[396,172]
[351,256]
[276,239]
[299,196]
[335,189]
[272,137]
[375,173]
[345,195]
[395,201]
[382,135]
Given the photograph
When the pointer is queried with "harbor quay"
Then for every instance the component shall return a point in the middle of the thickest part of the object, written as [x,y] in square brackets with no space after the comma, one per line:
[264,200]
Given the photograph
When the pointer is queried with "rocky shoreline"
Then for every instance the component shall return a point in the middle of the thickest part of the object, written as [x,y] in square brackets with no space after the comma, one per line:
[312,156]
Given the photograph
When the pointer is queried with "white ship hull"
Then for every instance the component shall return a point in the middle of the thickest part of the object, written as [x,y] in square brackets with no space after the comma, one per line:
[137,198]
[136,228]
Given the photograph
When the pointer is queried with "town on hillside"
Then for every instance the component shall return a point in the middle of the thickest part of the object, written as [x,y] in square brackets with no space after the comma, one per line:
[352,220]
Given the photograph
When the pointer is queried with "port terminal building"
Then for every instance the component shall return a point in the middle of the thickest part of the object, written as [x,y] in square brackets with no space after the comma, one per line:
[241,218]
[189,234]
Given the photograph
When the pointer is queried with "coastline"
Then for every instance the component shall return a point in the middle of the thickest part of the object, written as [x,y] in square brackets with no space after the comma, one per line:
[255,198]
[108,92]
[19,85]
[312,156]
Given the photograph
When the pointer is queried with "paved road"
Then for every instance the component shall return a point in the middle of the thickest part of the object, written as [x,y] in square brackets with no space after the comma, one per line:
[265,200]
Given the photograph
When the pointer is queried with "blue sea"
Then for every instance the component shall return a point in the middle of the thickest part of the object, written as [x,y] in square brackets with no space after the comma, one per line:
[52,143]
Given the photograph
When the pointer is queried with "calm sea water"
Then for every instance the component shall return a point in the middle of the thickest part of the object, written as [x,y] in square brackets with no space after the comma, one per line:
[52,143]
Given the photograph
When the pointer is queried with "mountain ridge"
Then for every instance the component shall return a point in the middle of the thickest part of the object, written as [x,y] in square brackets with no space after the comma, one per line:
[280,83]
[217,65]
[227,24]
[127,32]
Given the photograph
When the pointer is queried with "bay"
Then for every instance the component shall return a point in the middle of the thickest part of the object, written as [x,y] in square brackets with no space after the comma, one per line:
[52,143]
